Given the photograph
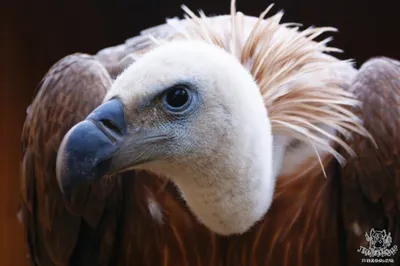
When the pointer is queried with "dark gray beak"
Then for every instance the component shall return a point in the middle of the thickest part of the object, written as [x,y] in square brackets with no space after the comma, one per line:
[86,150]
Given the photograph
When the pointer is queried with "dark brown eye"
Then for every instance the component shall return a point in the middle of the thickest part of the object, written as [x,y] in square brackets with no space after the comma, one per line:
[177,99]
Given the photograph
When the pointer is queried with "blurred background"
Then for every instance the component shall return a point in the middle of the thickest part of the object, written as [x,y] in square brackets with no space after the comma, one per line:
[36,34]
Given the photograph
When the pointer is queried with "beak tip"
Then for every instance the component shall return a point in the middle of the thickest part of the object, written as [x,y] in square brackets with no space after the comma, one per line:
[84,157]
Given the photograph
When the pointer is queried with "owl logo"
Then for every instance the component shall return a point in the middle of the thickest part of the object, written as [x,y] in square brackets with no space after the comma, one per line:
[378,239]
[379,245]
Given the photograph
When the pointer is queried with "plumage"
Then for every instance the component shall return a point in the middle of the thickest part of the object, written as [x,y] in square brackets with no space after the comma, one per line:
[322,205]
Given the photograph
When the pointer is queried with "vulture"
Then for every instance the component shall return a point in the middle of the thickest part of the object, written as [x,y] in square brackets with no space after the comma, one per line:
[228,140]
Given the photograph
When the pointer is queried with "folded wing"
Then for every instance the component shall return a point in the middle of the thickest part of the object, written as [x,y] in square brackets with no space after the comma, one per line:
[371,181]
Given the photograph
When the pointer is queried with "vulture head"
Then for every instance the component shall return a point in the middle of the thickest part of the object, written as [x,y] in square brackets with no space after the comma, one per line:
[193,113]
[219,119]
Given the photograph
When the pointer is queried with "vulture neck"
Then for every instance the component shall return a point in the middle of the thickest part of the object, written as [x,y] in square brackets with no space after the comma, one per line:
[232,194]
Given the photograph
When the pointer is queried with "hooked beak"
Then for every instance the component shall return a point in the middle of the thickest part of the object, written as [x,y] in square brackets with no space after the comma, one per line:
[86,149]
[100,145]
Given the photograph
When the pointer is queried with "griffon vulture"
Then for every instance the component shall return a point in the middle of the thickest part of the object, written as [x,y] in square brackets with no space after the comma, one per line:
[228,140]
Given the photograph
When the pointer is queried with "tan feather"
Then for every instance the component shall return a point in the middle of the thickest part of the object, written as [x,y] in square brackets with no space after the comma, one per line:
[290,68]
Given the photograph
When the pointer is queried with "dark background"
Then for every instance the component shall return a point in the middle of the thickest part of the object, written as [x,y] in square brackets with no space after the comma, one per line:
[35,34]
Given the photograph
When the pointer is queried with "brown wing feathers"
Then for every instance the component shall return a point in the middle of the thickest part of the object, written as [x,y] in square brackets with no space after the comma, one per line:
[71,89]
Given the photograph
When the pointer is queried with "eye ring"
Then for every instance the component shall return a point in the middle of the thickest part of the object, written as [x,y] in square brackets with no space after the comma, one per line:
[177,99]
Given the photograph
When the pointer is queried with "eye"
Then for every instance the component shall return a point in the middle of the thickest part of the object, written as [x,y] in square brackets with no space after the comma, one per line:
[177,99]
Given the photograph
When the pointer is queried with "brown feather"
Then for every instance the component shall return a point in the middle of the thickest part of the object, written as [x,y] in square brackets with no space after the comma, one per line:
[300,228]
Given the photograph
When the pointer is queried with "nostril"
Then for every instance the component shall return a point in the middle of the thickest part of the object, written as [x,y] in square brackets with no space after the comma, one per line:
[110,125]
[109,118]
